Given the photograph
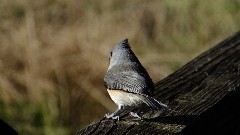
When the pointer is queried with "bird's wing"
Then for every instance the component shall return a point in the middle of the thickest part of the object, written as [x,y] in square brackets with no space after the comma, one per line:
[129,81]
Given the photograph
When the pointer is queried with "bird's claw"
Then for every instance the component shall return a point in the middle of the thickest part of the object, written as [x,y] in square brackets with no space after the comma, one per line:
[111,116]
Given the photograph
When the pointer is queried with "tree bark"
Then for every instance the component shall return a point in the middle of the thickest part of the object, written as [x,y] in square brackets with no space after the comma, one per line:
[204,97]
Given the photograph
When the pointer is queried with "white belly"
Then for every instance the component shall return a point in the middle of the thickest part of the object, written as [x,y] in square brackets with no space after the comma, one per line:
[122,98]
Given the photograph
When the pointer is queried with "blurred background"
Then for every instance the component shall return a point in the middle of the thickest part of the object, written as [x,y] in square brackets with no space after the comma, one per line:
[54,53]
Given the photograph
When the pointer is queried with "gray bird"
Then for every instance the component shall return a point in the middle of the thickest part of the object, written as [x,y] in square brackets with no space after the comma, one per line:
[128,82]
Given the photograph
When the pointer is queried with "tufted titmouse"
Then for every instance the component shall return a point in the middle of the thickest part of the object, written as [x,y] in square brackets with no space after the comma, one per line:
[127,81]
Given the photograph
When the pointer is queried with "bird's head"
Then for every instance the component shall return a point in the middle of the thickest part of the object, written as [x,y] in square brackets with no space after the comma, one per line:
[122,54]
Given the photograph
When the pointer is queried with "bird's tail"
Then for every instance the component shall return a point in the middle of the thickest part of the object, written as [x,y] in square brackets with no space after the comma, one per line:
[153,103]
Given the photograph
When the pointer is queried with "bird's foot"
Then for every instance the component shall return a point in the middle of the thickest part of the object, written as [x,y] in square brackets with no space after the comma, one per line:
[135,115]
[112,116]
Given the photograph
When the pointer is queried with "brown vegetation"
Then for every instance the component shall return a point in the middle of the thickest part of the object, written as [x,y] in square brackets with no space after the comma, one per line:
[53,54]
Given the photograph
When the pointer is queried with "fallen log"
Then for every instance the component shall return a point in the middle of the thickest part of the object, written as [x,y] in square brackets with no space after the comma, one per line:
[204,96]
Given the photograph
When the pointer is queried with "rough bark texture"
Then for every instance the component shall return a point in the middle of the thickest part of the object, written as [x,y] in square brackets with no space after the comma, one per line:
[204,97]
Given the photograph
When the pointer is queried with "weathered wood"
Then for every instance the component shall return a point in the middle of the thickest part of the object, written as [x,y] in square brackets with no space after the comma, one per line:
[204,97]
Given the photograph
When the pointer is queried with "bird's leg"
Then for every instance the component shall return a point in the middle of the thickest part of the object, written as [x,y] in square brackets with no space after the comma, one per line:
[135,115]
[113,115]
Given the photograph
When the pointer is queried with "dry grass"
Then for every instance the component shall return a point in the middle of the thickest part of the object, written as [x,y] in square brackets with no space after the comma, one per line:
[53,54]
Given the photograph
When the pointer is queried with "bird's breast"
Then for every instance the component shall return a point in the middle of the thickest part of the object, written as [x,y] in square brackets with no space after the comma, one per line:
[122,98]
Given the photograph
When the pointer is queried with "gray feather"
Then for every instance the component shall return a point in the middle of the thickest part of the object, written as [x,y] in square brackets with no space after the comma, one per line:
[125,71]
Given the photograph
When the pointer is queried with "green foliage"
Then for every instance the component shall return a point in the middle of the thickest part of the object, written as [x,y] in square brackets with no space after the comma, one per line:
[31,117]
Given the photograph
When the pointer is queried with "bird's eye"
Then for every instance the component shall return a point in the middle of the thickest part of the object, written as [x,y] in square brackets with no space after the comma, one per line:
[111,54]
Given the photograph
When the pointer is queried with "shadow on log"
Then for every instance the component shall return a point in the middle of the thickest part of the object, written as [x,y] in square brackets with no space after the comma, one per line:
[204,97]
[6,129]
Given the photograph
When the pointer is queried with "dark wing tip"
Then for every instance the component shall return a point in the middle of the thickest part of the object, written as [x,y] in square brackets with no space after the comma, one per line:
[105,85]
